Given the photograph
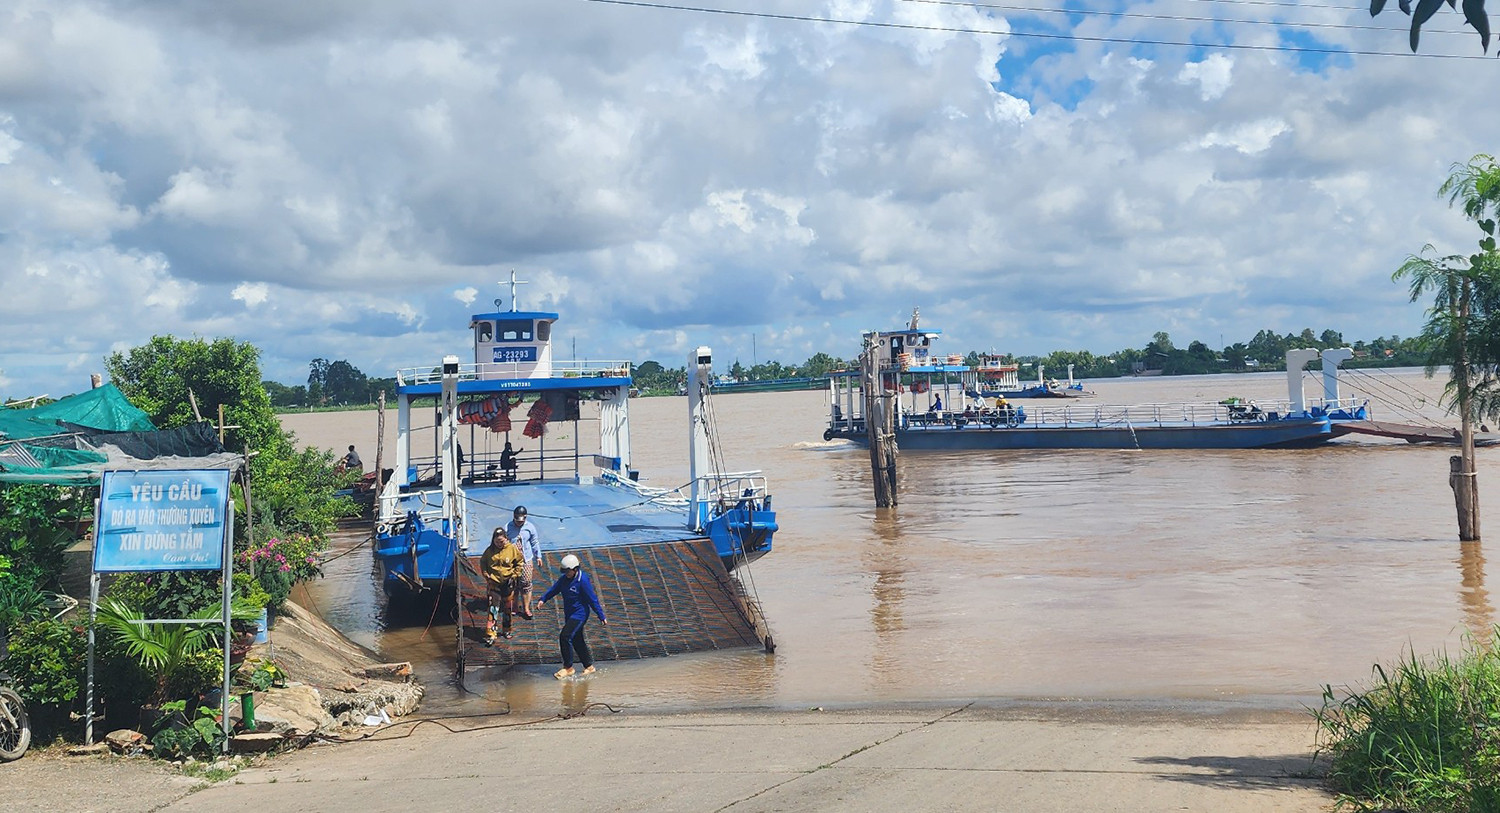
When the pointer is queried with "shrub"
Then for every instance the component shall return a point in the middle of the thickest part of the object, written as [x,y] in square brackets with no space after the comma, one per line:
[202,736]
[197,675]
[48,661]
[1426,736]
[247,589]
[30,533]
[281,562]
[167,594]
[21,599]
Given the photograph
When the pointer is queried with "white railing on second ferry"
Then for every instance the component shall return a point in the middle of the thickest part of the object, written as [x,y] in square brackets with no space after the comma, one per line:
[503,370]
[1172,414]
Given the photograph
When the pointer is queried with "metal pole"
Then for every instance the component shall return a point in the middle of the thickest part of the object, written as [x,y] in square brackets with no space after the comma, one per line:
[88,724]
[228,588]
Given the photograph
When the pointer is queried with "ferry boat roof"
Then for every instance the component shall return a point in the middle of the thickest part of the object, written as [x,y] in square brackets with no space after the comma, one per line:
[573,515]
[514,316]
[575,376]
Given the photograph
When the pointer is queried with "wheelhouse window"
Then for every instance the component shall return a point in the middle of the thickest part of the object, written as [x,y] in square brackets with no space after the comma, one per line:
[544,331]
[513,331]
[484,332]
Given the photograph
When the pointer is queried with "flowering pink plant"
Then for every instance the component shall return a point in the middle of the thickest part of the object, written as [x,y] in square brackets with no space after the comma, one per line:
[279,563]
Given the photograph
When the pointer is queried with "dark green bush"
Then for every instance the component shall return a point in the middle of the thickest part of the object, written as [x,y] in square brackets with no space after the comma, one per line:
[199,674]
[21,598]
[168,594]
[35,527]
[47,663]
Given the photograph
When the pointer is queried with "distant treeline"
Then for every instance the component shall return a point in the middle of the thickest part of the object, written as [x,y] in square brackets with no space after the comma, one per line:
[340,383]
[336,383]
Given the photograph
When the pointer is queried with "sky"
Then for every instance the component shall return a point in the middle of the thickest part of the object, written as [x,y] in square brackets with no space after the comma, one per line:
[351,179]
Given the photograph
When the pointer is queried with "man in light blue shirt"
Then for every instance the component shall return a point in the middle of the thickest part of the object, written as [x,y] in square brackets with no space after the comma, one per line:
[523,533]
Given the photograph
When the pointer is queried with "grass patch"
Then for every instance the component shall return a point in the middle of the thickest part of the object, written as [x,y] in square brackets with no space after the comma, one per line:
[208,771]
[1425,735]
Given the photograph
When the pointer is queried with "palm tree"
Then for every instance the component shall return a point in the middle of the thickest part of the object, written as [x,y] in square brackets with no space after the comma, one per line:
[161,649]
[1463,324]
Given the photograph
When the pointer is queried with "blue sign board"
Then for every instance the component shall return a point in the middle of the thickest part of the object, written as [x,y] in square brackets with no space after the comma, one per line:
[162,520]
[514,354]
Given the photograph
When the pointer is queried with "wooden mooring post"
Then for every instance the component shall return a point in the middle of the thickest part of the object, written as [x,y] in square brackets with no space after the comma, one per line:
[1461,478]
[379,458]
[879,428]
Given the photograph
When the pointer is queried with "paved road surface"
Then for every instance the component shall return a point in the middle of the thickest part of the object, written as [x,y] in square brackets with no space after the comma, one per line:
[1053,757]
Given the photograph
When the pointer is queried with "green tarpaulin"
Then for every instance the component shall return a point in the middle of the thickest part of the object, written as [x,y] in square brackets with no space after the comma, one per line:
[104,409]
[71,441]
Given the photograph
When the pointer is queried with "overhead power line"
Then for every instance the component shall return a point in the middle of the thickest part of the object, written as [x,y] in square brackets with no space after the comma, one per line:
[1230,46]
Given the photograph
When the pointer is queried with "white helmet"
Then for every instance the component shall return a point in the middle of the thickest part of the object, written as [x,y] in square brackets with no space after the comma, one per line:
[569,562]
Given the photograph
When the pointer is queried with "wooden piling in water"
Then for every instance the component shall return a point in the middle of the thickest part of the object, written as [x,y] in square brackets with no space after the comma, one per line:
[879,429]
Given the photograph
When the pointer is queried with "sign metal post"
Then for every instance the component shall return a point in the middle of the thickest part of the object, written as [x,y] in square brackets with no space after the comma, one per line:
[149,521]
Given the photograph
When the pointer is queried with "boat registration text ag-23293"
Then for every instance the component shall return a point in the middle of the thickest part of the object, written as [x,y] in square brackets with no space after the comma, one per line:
[514,354]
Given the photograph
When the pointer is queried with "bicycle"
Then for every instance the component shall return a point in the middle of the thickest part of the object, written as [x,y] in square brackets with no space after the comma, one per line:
[15,723]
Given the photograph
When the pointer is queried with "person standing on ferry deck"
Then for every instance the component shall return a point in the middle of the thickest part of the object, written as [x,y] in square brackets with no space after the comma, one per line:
[523,532]
[578,595]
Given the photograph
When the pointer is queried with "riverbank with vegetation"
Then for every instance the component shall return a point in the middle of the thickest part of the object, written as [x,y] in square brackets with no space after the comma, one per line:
[164,679]
[1425,735]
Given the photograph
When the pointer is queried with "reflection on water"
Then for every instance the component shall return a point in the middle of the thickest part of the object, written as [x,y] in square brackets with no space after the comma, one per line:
[1479,616]
[1107,574]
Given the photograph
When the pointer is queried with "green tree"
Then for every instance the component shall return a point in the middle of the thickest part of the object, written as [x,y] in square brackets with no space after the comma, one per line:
[821,364]
[317,381]
[293,491]
[343,383]
[1462,331]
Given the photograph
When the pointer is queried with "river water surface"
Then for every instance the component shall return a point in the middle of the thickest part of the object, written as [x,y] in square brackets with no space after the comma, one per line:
[1242,576]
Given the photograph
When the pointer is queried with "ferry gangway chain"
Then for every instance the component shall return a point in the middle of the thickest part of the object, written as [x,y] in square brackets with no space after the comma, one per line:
[15,723]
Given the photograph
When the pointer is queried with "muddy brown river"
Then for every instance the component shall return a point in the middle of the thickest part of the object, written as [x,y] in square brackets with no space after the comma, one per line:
[1244,576]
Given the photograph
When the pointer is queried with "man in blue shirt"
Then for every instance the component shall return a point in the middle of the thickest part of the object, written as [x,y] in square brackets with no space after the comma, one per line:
[578,594]
[523,533]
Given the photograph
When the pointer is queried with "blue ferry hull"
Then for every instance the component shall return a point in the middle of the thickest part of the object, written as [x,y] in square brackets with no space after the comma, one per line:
[569,516]
[1287,433]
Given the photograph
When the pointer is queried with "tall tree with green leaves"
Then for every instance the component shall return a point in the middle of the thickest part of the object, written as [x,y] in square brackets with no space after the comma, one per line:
[293,490]
[1462,331]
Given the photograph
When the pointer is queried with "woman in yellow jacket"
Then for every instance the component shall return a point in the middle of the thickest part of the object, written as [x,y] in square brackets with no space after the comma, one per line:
[501,565]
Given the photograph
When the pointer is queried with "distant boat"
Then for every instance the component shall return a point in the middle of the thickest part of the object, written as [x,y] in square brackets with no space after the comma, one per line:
[997,378]
[939,413]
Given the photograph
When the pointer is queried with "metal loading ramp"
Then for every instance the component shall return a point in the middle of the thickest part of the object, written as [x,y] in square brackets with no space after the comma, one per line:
[661,598]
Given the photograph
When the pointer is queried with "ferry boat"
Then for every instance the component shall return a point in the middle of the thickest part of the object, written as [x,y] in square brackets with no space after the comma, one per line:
[934,409]
[998,378]
[477,439]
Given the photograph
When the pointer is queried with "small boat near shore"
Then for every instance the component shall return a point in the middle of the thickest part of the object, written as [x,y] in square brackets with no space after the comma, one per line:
[915,383]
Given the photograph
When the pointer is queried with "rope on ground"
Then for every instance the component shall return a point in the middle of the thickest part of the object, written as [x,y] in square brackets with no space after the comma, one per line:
[375,736]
